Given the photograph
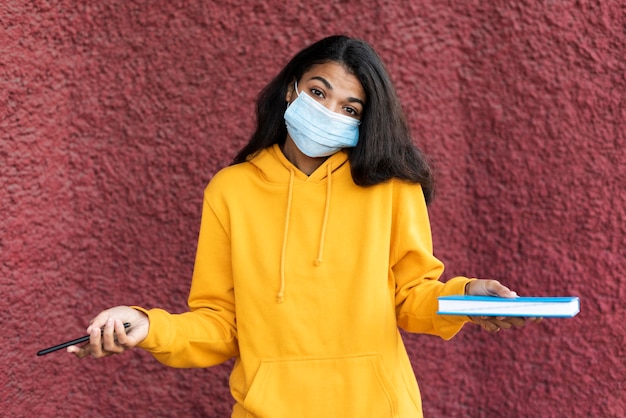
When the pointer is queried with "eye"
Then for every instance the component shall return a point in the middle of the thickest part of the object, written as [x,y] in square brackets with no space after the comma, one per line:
[317,92]
[352,111]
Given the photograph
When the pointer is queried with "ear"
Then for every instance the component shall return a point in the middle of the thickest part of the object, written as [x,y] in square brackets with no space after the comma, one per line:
[290,91]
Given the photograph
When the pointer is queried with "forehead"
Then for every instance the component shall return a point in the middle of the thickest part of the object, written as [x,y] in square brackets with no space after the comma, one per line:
[338,76]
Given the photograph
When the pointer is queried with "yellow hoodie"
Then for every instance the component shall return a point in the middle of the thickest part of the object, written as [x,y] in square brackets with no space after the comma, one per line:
[305,280]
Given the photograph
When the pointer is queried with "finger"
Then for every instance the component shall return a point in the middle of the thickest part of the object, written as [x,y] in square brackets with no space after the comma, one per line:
[487,287]
[491,326]
[119,346]
[120,335]
[516,321]
[496,288]
[77,351]
[503,322]
[109,342]
[487,323]
[99,321]
[95,342]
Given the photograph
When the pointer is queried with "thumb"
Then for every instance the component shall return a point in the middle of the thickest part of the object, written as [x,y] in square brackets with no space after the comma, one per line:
[483,287]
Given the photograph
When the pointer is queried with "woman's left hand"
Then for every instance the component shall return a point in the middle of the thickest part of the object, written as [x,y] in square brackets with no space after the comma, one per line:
[482,287]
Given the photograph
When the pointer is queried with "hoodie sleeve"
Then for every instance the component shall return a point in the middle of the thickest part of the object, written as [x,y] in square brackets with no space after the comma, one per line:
[207,334]
[416,270]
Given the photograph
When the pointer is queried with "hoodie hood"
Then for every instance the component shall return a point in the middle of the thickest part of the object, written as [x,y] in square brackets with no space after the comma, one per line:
[276,168]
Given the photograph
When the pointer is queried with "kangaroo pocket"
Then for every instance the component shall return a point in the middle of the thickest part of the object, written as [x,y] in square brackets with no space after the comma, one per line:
[355,386]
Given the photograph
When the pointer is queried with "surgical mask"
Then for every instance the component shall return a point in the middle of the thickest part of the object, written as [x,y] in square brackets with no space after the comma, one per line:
[318,131]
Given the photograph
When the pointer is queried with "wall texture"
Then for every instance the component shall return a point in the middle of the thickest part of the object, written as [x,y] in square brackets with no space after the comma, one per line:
[115,114]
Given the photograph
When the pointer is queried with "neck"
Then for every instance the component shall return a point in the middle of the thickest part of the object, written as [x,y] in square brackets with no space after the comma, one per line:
[304,163]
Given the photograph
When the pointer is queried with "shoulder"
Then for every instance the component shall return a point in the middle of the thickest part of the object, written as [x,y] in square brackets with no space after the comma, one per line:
[228,183]
[404,187]
[231,175]
[408,194]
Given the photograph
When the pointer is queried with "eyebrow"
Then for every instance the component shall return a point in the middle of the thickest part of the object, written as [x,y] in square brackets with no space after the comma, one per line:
[330,87]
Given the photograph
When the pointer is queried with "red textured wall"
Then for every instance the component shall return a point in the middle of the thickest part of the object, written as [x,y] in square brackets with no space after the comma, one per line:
[114,115]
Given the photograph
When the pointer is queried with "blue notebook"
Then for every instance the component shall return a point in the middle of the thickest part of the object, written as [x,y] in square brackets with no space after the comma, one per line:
[565,307]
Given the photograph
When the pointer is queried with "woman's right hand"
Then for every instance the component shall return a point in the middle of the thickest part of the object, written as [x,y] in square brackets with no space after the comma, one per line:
[107,334]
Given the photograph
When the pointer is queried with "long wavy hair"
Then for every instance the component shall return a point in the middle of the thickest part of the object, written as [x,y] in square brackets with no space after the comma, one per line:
[385,148]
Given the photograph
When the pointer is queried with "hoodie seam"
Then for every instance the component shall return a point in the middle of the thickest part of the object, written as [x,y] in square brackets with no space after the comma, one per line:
[219,219]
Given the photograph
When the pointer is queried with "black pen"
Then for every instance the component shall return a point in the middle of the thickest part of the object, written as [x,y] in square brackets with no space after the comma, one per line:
[68,343]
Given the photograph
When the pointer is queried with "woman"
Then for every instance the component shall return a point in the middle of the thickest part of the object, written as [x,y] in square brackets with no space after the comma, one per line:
[314,248]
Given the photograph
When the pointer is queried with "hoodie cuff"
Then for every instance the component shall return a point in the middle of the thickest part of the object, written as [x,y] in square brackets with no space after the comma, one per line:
[456,286]
[159,331]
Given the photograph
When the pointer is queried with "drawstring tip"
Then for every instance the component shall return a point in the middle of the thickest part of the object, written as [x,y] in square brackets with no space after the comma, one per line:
[280,298]
[317,262]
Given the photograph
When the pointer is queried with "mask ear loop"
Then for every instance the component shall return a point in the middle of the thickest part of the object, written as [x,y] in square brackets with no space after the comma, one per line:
[295,88]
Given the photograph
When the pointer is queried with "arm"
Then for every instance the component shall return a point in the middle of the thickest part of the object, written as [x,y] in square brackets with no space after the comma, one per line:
[207,334]
[416,270]
[204,336]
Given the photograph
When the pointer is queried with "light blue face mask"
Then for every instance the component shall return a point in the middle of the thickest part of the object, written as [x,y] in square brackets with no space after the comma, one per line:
[318,131]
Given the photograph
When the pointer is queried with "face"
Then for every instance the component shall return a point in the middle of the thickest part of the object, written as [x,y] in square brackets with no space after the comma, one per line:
[334,87]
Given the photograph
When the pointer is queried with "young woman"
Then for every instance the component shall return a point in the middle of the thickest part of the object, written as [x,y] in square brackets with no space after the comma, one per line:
[314,248]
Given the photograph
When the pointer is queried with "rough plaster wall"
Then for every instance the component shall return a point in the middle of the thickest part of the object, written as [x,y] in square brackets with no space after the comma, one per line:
[114,116]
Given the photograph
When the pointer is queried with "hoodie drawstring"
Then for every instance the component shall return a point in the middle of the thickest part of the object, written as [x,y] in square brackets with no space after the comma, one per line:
[320,252]
[280,296]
